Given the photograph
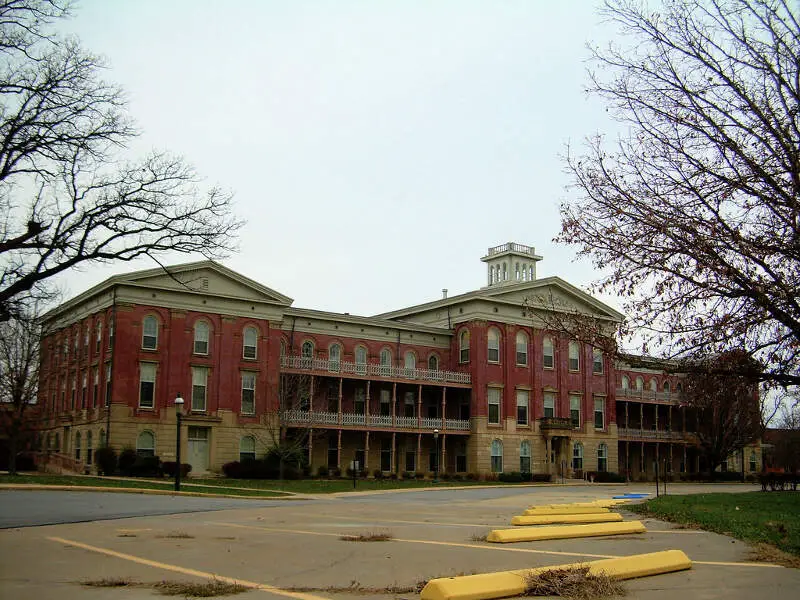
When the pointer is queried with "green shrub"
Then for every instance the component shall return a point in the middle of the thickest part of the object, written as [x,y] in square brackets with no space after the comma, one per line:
[126,460]
[106,460]
[377,474]
[168,468]
[542,477]
[322,471]
[419,475]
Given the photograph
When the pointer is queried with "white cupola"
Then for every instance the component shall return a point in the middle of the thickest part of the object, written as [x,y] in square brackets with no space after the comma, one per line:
[510,263]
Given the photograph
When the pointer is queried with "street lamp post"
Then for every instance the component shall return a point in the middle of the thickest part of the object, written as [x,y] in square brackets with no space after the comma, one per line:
[179,417]
[436,462]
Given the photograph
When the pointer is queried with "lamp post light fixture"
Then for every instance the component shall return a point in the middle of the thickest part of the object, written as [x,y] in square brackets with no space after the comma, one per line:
[178,419]
[436,462]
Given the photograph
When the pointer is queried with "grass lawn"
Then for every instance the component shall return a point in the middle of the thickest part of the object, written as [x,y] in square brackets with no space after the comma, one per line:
[330,486]
[80,481]
[756,517]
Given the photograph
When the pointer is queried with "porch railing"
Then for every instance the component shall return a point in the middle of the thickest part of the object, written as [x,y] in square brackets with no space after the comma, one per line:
[305,417]
[372,370]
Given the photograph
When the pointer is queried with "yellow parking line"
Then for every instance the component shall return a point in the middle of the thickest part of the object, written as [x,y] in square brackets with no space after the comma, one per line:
[736,564]
[194,572]
[429,542]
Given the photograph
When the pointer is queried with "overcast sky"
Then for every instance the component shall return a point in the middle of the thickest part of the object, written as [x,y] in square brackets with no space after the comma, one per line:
[376,149]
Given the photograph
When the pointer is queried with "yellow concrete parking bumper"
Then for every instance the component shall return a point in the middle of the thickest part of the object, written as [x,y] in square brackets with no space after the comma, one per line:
[549,519]
[487,586]
[566,510]
[557,532]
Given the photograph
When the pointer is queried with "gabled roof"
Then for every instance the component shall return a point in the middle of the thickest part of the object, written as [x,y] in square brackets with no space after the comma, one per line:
[188,278]
[369,321]
[512,293]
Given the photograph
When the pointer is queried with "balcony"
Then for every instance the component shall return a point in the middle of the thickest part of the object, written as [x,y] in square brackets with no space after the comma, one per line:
[649,396]
[511,247]
[651,434]
[555,424]
[370,371]
[308,418]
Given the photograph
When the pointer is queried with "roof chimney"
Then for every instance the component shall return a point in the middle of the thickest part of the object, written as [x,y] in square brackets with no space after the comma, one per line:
[444,293]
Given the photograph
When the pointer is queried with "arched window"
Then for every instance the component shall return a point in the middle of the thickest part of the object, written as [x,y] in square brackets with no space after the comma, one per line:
[493,345]
[525,457]
[463,346]
[334,357]
[201,337]
[577,455]
[247,448]
[386,362]
[505,272]
[306,354]
[522,348]
[653,385]
[283,348]
[491,275]
[89,448]
[639,384]
[433,362]
[548,359]
[146,444]
[666,387]
[150,333]
[574,356]
[250,342]
[78,446]
[516,272]
[679,388]
[361,360]
[626,382]
[410,360]
[602,458]
[102,438]
[497,456]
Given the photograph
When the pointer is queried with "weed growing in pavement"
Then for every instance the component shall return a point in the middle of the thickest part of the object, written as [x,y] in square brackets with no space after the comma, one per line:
[373,536]
[575,583]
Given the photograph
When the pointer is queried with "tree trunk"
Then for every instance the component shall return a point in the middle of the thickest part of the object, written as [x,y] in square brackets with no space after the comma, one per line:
[12,451]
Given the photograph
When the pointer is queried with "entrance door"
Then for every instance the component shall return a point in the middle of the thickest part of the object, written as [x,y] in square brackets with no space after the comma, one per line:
[198,449]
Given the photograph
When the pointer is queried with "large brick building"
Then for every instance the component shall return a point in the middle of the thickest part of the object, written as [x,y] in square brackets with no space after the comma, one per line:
[477,377]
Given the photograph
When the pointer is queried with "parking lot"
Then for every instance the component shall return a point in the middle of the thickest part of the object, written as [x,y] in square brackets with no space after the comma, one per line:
[293,548]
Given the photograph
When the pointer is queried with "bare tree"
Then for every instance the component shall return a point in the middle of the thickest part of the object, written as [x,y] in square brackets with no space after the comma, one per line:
[19,379]
[723,393]
[68,195]
[694,212]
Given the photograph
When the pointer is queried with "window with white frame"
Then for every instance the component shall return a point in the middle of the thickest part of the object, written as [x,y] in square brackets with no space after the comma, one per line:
[666,387]
[626,382]
[525,457]
[361,360]
[201,331]
[78,446]
[199,388]
[523,402]
[549,401]
[575,410]
[86,342]
[247,448]
[95,386]
[360,401]
[386,362]
[602,458]
[99,337]
[84,390]
[147,384]
[107,398]
[150,333]
[493,342]
[89,448]
[548,358]
[433,362]
[753,461]
[577,455]
[597,361]
[334,357]
[574,356]
[410,360]
[250,342]
[494,406]
[497,456]
[146,444]
[248,393]
[639,384]
[463,346]
[599,412]
[653,385]
[74,392]
[522,348]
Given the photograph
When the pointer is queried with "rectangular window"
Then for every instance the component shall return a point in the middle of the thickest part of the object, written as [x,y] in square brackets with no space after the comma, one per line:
[549,404]
[108,384]
[199,388]
[494,406]
[461,463]
[84,392]
[386,455]
[575,410]
[523,397]
[147,384]
[411,461]
[386,403]
[96,387]
[599,410]
[360,401]
[494,348]
[597,361]
[74,385]
[408,402]
[248,393]
[332,397]
[574,356]
[547,353]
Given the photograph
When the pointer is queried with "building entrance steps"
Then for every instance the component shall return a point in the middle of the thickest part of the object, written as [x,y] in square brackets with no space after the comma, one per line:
[557,532]
[551,519]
